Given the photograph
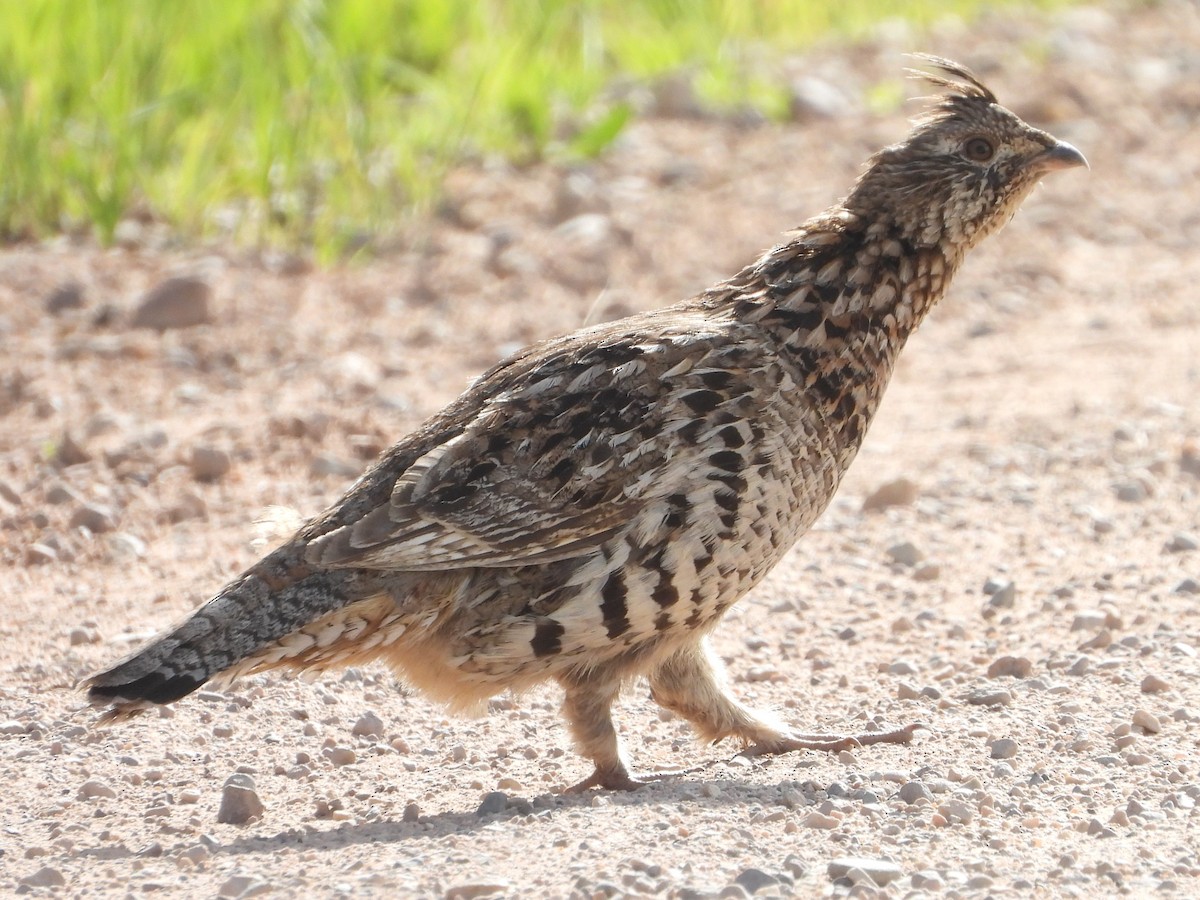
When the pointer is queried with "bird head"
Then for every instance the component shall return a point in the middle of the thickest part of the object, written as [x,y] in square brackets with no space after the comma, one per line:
[963,170]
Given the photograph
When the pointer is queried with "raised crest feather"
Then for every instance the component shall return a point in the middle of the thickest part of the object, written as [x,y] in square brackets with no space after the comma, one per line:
[957,80]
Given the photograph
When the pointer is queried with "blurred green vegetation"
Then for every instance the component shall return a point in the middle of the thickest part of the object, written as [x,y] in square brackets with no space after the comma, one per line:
[314,122]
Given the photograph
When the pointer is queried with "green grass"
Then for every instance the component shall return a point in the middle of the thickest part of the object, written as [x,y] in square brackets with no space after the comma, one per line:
[319,123]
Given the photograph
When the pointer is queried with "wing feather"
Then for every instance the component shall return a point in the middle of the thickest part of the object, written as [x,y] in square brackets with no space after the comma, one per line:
[549,466]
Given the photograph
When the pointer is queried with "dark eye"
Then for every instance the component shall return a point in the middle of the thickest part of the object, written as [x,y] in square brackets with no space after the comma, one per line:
[978,149]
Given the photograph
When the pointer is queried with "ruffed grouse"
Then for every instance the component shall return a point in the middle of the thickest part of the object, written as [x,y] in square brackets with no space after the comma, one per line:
[589,509]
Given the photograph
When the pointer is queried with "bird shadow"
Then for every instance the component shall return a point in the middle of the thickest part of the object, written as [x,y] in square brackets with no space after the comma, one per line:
[706,792]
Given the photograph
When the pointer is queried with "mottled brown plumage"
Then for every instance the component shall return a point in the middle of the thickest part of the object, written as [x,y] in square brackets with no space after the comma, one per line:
[592,506]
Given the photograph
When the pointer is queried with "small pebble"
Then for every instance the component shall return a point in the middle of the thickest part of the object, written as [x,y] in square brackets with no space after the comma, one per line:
[94,788]
[69,452]
[1089,620]
[9,494]
[1012,666]
[46,876]
[900,492]
[174,303]
[493,802]
[881,871]
[341,756]
[989,698]
[1188,586]
[239,801]
[95,517]
[956,811]
[241,886]
[37,554]
[1004,596]
[1080,667]
[1004,748]
[368,725]
[1132,491]
[927,880]
[1147,721]
[82,635]
[914,791]
[209,463]
[906,554]
[1152,684]
[1102,639]
[1097,829]
[754,880]
[820,820]
[68,295]
[1182,542]
[490,887]
[927,572]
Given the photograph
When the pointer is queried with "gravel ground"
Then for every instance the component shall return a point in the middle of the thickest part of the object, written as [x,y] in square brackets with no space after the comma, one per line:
[1012,562]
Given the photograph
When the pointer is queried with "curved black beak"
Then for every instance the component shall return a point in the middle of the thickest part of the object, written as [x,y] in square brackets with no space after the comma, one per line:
[1060,156]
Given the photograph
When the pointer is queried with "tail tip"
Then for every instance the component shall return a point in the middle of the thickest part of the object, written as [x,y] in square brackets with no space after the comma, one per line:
[140,693]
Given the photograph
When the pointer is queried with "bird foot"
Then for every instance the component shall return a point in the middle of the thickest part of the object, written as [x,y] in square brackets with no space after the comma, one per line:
[831,743]
[621,780]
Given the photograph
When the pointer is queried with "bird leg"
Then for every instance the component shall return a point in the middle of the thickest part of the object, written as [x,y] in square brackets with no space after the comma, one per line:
[689,683]
[588,711]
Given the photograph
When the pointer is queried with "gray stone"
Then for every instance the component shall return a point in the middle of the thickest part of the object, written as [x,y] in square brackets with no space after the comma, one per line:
[368,725]
[83,635]
[69,452]
[900,492]
[493,802]
[489,887]
[174,303]
[9,494]
[68,295]
[328,464]
[881,871]
[95,517]
[989,698]
[1089,620]
[927,572]
[241,885]
[1004,748]
[754,880]
[239,801]
[815,98]
[1182,542]
[94,788]
[913,791]
[1153,684]
[341,756]
[209,463]
[46,876]
[1131,491]
[1014,666]
[1004,596]
[1147,721]
[906,553]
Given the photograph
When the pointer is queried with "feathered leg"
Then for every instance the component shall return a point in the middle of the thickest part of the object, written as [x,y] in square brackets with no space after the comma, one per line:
[689,683]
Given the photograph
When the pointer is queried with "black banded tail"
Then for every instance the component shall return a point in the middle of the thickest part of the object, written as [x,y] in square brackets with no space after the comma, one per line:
[258,609]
